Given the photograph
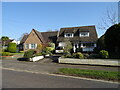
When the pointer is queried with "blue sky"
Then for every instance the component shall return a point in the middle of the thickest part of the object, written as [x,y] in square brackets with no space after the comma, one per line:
[22,17]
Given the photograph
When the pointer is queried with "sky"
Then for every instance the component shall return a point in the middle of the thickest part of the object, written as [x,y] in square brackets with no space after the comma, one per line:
[22,17]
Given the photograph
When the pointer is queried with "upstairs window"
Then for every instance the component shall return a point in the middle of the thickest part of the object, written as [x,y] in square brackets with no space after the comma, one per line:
[68,35]
[84,34]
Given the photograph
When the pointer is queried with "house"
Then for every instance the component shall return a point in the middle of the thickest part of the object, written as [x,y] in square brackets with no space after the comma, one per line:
[35,38]
[83,38]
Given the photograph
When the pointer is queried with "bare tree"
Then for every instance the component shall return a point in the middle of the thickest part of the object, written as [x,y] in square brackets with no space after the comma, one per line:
[110,18]
[20,38]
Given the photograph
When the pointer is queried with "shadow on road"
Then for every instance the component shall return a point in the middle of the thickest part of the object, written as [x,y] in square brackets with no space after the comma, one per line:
[55,58]
[22,59]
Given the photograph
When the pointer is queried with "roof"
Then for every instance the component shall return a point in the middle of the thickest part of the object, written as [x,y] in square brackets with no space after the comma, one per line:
[23,39]
[43,36]
[50,36]
[76,30]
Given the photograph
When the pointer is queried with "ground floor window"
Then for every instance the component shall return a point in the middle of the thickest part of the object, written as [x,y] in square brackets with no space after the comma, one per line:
[33,46]
[27,46]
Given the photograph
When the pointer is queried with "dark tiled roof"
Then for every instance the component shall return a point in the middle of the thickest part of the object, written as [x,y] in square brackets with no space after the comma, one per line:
[76,30]
[40,36]
[45,37]
[50,36]
[23,39]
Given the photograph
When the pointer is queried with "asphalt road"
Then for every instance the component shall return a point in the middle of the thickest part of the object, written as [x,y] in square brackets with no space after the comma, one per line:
[16,79]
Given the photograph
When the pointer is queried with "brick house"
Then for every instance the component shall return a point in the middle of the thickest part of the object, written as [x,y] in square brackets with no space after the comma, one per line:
[82,38]
[31,40]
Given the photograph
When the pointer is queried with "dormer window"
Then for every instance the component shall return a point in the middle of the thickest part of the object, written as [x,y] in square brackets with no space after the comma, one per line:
[68,35]
[84,34]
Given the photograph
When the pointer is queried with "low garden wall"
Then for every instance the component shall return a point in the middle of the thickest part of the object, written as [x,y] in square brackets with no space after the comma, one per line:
[36,58]
[110,62]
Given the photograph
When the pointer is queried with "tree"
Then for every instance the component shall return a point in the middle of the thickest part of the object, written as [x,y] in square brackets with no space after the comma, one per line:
[22,36]
[4,39]
[68,46]
[100,44]
[39,48]
[112,39]
[12,47]
[110,18]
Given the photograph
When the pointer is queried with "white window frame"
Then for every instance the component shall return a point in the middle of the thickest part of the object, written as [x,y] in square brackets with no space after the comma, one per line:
[87,34]
[71,35]
[33,46]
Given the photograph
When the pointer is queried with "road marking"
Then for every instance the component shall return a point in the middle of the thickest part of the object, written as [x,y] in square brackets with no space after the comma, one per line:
[46,73]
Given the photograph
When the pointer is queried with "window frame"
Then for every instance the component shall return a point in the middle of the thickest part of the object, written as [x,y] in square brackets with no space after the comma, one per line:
[70,35]
[87,34]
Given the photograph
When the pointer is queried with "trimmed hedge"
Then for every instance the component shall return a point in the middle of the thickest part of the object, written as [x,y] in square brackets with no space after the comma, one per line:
[6,54]
[12,47]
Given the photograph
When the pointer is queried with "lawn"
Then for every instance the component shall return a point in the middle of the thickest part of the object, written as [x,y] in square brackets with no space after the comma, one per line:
[96,74]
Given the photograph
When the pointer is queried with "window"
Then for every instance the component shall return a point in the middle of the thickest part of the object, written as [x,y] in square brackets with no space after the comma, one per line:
[69,35]
[33,46]
[84,34]
[27,46]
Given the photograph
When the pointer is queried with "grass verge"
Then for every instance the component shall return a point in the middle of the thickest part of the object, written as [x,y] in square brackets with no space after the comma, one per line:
[96,74]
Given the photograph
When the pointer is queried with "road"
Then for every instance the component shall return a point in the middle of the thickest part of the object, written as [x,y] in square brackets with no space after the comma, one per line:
[17,79]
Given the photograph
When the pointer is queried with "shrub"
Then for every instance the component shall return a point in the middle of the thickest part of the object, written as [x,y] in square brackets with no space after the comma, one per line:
[67,55]
[103,54]
[6,54]
[93,56]
[29,53]
[112,39]
[86,55]
[51,45]
[46,51]
[38,54]
[39,48]
[50,49]
[12,47]
[79,55]
[74,55]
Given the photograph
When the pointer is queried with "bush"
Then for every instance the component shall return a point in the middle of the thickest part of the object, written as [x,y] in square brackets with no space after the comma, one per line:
[103,54]
[38,54]
[74,55]
[50,49]
[86,55]
[112,39]
[67,55]
[93,56]
[78,55]
[12,47]
[6,54]
[46,51]
[39,48]
[51,45]
[29,53]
